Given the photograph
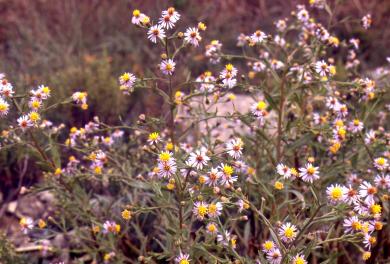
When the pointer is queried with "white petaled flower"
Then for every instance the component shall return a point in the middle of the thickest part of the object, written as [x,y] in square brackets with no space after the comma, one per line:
[274,256]
[369,241]
[367,21]
[183,259]
[322,68]
[336,193]
[214,209]
[268,246]
[370,137]
[111,227]
[258,37]
[367,192]
[332,103]
[352,224]
[224,238]
[4,107]
[299,259]
[283,171]
[26,223]
[288,232]
[225,175]
[172,13]
[381,163]
[212,177]
[234,148]
[156,32]
[198,159]
[167,169]
[167,66]
[24,122]
[309,173]
[45,91]
[167,21]
[192,36]
[229,82]
[382,181]
[356,126]
[341,110]
[259,109]
[351,195]
[211,228]
[6,89]
[303,15]
[127,80]
[200,210]
[137,17]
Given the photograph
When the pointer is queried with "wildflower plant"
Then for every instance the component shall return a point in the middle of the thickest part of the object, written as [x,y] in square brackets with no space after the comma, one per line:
[299,170]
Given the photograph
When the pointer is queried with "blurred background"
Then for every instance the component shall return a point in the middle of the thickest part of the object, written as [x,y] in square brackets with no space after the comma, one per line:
[85,45]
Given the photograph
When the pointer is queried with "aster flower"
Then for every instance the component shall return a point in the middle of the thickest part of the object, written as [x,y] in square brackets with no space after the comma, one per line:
[258,37]
[183,259]
[274,256]
[322,68]
[336,193]
[24,122]
[381,163]
[367,191]
[167,21]
[172,13]
[156,32]
[234,148]
[309,173]
[200,210]
[214,209]
[369,241]
[167,169]
[167,66]
[382,181]
[225,174]
[366,21]
[352,224]
[192,36]
[288,232]
[111,227]
[26,223]
[283,171]
[153,138]
[268,246]
[299,259]
[198,159]
[212,177]
[211,228]
[356,126]
[4,107]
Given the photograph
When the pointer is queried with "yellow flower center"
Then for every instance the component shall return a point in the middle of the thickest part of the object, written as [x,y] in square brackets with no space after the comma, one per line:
[165,156]
[268,245]
[202,210]
[261,105]
[136,13]
[376,209]
[184,261]
[336,193]
[299,260]
[212,208]
[311,170]
[211,228]
[34,116]
[380,161]
[228,170]
[356,225]
[289,232]
[3,107]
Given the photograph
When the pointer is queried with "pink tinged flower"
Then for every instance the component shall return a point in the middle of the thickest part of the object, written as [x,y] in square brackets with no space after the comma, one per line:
[156,32]
[167,66]
[309,173]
